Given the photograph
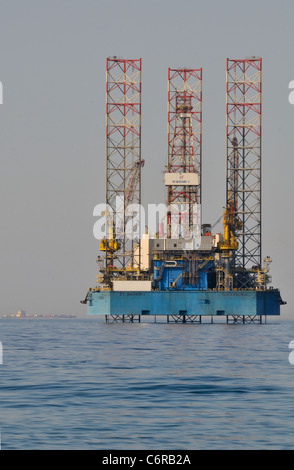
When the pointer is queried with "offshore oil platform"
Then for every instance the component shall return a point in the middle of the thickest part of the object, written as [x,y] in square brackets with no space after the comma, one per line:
[182,271]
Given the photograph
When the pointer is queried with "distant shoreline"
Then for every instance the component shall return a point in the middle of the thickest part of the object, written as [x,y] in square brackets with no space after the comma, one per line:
[38,315]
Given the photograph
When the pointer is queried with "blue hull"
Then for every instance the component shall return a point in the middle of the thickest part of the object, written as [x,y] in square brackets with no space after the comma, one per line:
[206,303]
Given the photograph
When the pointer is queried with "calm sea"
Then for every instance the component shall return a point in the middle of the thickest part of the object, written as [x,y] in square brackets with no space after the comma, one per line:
[84,384]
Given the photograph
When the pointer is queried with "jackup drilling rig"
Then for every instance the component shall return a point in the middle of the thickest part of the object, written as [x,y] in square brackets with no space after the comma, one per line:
[183,272]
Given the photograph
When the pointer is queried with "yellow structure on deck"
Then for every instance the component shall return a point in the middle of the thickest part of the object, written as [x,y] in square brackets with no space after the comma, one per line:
[231,223]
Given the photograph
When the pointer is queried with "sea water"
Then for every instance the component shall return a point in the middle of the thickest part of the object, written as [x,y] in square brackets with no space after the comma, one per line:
[85,384]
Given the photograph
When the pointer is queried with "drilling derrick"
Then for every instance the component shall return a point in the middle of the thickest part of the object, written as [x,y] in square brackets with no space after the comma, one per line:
[183,175]
[123,166]
[243,124]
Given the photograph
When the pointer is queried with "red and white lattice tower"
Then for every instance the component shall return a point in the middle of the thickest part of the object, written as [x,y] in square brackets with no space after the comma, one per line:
[244,88]
[183,173]
[123,159]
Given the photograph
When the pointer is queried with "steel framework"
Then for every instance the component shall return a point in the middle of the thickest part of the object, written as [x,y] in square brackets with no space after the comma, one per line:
[123,162]
[184,142]
[127,318]
[183,318]
[243,129]
[236,319]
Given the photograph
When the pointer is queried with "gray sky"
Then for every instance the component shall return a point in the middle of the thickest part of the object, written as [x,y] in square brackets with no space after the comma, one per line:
[52,128]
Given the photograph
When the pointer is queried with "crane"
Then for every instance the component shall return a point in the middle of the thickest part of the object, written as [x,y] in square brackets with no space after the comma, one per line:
[111,244]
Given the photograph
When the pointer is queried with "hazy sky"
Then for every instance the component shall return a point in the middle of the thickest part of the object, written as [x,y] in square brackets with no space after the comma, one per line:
[52,128]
